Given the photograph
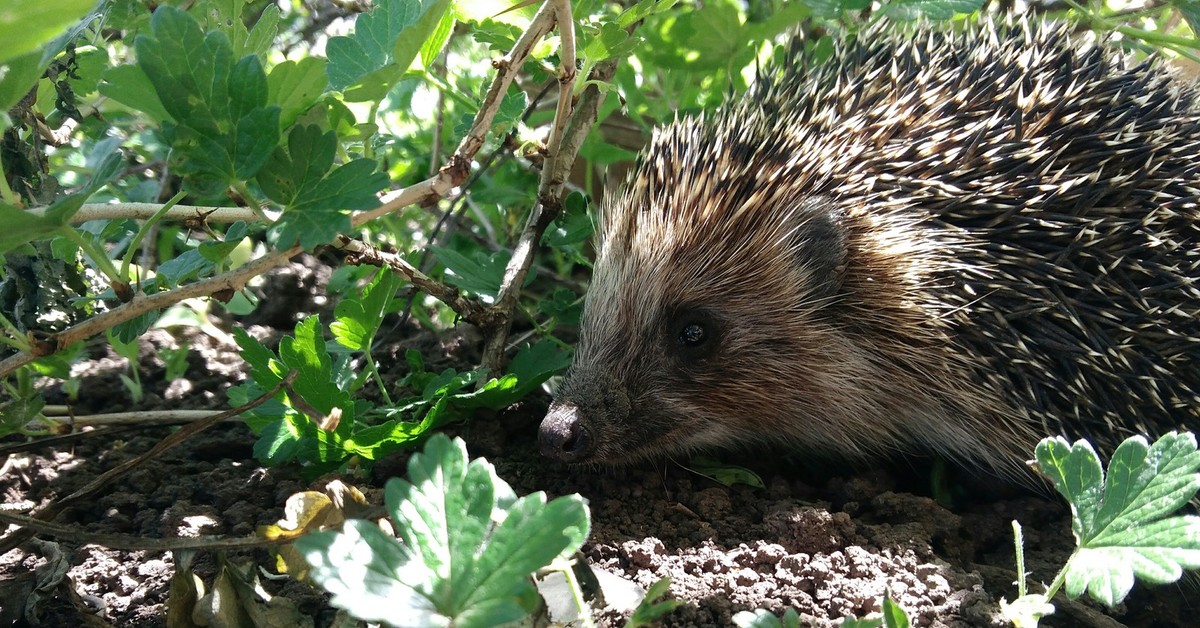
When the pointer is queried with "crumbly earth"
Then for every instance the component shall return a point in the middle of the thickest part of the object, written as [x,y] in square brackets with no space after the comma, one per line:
[827,543]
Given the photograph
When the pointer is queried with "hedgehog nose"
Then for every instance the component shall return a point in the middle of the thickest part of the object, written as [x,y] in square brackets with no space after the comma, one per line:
[562,435]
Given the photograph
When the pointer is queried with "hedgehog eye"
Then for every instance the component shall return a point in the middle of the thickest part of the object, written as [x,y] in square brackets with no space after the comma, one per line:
[693,335]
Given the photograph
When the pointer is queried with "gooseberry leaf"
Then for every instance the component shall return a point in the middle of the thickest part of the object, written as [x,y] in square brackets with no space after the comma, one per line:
[1120,521]
[313,195]
[222,129]
[358,319]
[469,545]
[367,63]
[296,86]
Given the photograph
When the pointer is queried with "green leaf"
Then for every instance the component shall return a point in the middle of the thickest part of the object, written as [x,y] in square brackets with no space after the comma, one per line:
[260,359]
[1119,522]
[430,30]
[366,64]
[727,474]
[651,610]
[367,573]
[262,36]
[893,615]
[469,545]
[129,85]
[305,352]
[357,320]
[573,225]
[296,86]
[314,197]
[929,9]
[26,27]
[535,364]
[223,129]
[481,273]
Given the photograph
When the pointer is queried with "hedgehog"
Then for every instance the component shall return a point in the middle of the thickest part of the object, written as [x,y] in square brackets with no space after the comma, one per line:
[948,244]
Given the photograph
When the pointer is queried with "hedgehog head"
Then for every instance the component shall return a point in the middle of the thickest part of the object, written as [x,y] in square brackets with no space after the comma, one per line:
[679,335]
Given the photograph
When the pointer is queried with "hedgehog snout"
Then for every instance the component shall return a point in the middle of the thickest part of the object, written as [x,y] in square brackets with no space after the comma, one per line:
[563,435]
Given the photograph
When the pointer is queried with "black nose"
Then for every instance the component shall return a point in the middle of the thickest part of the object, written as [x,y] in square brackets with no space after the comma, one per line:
[563,436]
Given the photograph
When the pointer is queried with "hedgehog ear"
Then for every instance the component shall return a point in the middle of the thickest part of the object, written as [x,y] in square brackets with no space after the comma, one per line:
[818,238]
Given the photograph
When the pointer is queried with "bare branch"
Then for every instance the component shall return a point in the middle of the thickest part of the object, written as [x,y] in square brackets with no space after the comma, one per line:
[143,211]
[554,177]
[51,510]
[566,71]
[472,311]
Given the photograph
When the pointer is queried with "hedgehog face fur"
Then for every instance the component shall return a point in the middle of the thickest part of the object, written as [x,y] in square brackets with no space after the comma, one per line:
[957,243]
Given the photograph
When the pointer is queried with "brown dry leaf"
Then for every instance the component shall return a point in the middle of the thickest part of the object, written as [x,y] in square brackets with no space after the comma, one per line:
[238,599]
[312,511]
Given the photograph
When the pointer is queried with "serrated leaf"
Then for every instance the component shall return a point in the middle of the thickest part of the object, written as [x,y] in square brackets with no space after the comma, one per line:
[430,28]
[367,573]
[1118,521]
[296,86]
[305,352]
[223,129]
[481,274]
[929,9]
[573,225]
[437,39]
[258,357]
[469,547]
[367,63]
[262,35]
[535,364]
[299,178]
[358,319]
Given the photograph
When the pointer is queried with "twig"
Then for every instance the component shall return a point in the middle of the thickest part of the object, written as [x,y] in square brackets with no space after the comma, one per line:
[134,543]
[67,439]
[143,211]
[566,71]
[472,311]
[160,417]
[52,509]
[554,176]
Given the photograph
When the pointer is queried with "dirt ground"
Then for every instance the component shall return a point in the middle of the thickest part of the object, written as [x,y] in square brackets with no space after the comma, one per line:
[827,543]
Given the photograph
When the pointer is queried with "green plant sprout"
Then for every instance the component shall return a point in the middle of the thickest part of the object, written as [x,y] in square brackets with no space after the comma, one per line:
[1120,520]
[468,546]
[128,349]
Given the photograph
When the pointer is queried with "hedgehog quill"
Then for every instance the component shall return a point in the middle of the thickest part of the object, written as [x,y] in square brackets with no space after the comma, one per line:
[953,244]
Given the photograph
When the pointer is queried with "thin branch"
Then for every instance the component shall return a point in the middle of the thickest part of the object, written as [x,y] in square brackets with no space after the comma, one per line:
[554,177]
[159,417]
[506,67]
[51,510]
[566,71]
[231,281]
[471,310]
[129,542]
[143,211]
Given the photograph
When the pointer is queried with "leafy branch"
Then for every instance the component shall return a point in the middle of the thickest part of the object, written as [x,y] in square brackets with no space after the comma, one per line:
[450,175]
